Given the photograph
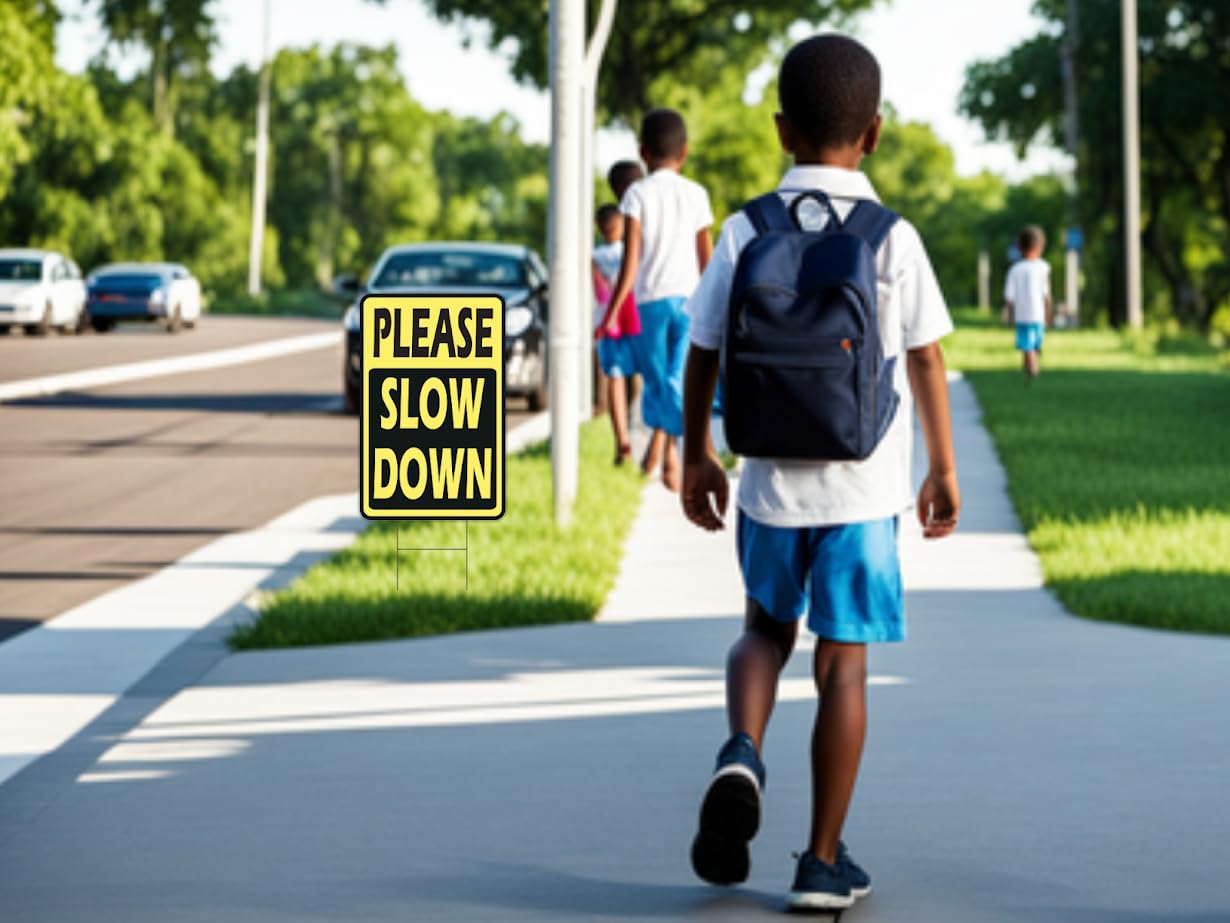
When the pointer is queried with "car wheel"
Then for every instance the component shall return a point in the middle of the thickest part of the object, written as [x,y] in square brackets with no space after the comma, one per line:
[537,399]
[4,329]
[175,321]
[101,324]
[351,397]
[83,322]
[43,327]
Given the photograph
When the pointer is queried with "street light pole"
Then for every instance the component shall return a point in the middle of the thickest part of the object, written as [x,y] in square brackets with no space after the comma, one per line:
[1071,42]
[567,41]
[589,90]
[1131,164]
[260,168]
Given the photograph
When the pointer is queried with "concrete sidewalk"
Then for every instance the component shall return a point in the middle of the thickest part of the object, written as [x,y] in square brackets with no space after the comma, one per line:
[1022,764]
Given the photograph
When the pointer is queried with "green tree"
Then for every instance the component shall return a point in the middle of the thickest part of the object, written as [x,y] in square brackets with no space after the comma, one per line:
[178,35]
[492,185]
[1185,95]
[352,163]
[651,38]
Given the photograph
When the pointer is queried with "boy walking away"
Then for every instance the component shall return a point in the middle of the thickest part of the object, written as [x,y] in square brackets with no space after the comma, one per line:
[615,348]
[623,174]
[814,534]
[666,248]
[1027,298]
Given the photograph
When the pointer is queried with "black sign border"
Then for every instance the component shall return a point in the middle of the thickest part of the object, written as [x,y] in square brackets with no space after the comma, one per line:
[503,413]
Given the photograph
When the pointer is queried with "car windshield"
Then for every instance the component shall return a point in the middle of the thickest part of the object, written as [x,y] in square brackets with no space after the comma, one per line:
[450,268]
[127,280]
[20,270]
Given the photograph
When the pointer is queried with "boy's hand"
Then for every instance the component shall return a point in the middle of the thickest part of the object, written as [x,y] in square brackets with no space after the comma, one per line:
[611,327]
[702,480]
[939,504]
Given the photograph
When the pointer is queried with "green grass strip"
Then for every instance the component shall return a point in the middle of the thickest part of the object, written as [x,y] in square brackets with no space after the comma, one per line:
[1118,462]
[523,570]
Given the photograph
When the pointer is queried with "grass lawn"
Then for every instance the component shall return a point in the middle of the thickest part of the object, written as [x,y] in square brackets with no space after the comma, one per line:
[522,570]
[281,302]
[1118,460]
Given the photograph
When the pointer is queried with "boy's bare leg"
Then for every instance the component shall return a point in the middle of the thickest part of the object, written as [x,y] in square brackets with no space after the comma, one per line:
[671,470]
[837,740]
[617,403]
[653,452]
[752,668]
[602,387]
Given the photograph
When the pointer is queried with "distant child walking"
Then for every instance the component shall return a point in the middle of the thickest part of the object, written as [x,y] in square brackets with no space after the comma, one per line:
[615,348]
[1027,298]
[815,536]
[666,247]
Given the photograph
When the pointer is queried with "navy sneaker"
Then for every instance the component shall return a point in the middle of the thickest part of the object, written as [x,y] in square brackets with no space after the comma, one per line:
[729,814]
[819,886]
[860,881]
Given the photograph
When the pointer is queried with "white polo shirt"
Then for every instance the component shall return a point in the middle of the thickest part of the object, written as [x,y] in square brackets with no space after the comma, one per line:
[912,313]
[1027,286]
[671,209]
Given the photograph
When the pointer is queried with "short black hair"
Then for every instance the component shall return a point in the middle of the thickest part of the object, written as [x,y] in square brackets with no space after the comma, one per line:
[664,134]
[829,89]
[605,214]
[1031,238]
[622,175]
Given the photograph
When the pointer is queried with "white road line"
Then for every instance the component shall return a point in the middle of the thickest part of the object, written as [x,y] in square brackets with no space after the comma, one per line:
[152,368]
[60,675]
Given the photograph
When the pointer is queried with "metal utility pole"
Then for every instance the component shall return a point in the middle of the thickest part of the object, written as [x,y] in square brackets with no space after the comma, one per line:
[984,279]
[589,91]
[1131,165]
[1071,42]
[261,167]
[567,46]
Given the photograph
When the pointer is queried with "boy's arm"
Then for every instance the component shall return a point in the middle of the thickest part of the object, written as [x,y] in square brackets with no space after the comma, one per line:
[1050,311]
[704,248]
[705,486]
[939,499]
[1008,311]
[627,273]
[598,280]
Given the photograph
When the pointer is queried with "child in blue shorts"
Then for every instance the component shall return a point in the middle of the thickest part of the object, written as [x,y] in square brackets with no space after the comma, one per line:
[1027,298]
[666,248]
[817,537]
[615,347]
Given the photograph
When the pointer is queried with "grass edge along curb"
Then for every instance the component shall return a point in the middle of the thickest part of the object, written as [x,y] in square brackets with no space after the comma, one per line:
[1116,467]
[522,569]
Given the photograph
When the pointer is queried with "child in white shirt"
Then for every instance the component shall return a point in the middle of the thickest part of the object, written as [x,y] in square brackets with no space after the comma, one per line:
[1027,298]
[666,248]
[812,534]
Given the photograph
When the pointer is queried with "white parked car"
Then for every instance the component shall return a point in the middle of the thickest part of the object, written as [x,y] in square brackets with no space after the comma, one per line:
[164,292]
[40,289]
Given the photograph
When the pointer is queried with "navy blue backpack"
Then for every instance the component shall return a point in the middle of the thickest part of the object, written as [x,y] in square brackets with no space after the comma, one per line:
[803,369]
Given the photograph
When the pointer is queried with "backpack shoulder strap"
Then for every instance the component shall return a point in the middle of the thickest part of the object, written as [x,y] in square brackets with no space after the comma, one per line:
[871,221]
[769,213]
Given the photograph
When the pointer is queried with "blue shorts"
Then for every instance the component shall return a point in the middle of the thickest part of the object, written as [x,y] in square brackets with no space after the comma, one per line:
[616,356]
[1028,337]
[659,353]
[847,577]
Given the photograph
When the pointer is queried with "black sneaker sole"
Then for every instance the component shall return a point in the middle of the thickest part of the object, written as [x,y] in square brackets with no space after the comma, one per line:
[729,818]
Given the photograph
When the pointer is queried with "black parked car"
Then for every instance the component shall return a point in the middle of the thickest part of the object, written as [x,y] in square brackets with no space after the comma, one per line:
[511,271]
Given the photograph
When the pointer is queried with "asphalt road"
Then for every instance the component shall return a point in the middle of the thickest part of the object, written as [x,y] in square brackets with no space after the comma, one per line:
[105,486]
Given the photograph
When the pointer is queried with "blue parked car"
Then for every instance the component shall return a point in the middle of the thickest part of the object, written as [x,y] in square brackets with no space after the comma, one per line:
[163,292]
